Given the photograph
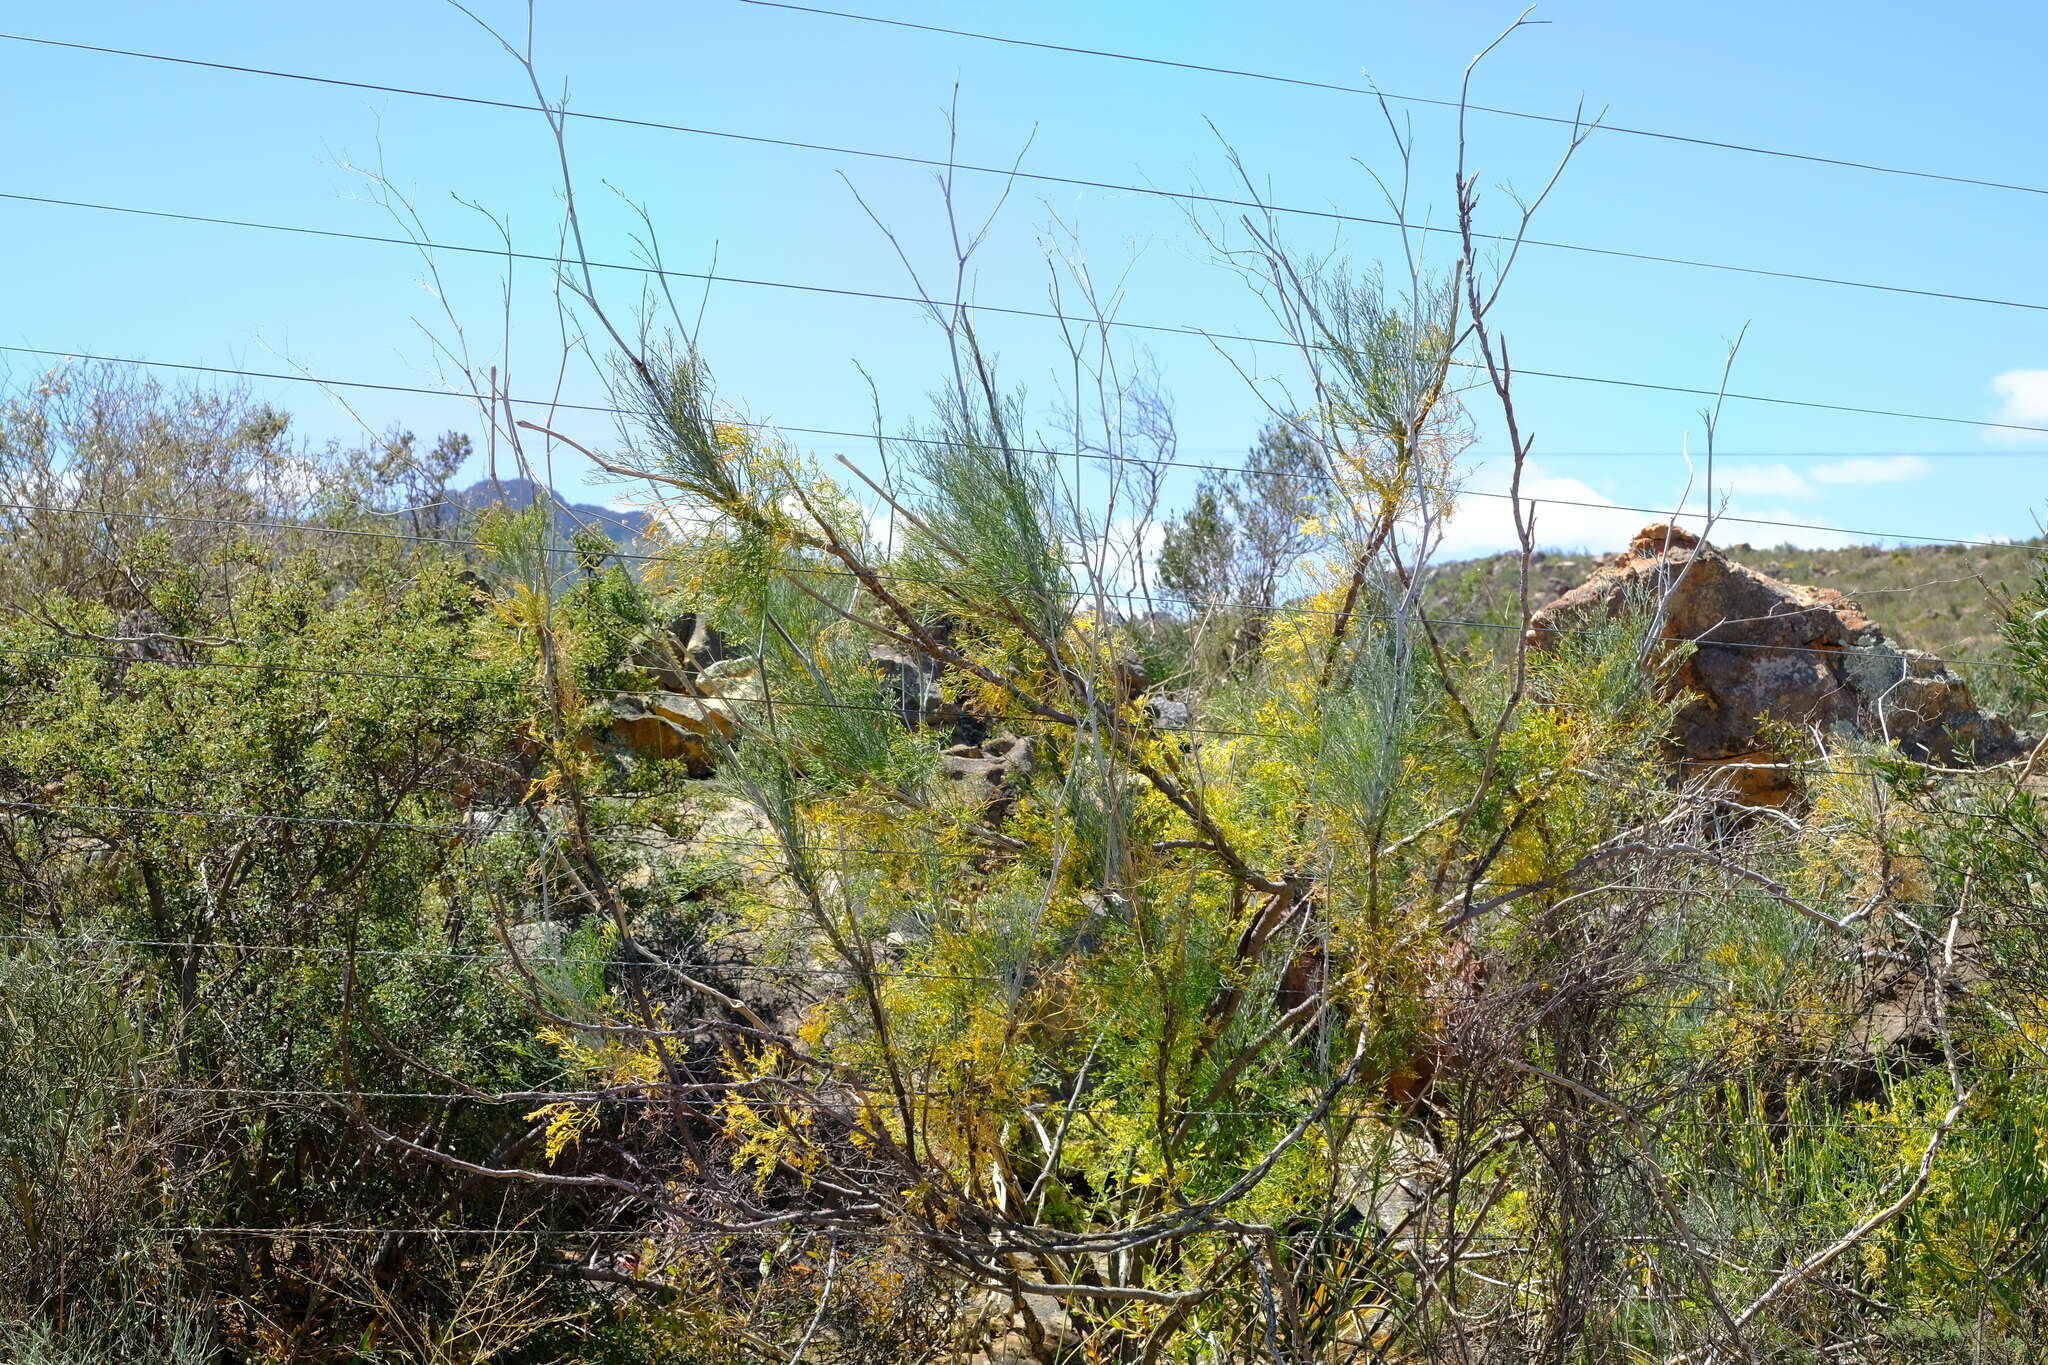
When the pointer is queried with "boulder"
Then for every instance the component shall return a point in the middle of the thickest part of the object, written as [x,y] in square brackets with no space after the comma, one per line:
[1764,651]
[1131,676]
[704,687]
[915,681]
[144,636]
[733,680]
[989,1330]
[987,774]
[681,650]
[1389,1174]
[670,725]
[920,700]
[1169,713]
[703,716]
[1922,705]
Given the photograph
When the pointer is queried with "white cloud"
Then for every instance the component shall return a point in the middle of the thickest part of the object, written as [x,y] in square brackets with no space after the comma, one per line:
[1570,515]
[2026,403]
[1762,480]
[1783,481]
[1869,469]
[679,516]
[1112,561]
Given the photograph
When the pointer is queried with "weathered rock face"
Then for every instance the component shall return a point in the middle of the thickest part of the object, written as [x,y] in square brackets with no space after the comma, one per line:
[1772,651]
[677,653]
[671,725]
[145,637]
[921,699]
[690,714]
[989,1330]
[1169,713]
[987,774]
[706,692]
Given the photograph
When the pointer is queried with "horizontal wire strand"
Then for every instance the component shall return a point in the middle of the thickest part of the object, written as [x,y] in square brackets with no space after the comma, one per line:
[1097,456]
[1406,1242]
[2009,303]
[1014,173]
[1376,93]
[1674,1007]
[507,253]
[648,837]
[1276,609]
[1138,1109]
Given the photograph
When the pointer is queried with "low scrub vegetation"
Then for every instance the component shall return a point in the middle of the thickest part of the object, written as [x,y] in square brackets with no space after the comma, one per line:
[906,910]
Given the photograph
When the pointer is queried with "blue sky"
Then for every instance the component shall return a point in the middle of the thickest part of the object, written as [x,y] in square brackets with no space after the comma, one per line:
[1890,83]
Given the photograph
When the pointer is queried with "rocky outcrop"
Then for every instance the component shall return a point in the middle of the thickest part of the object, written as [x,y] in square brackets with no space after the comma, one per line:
[987,774]
[1169,713]
[991,1329]
[920,699]
[695,724]
[693,730]
[702,694]
[1767,651]
[676,654]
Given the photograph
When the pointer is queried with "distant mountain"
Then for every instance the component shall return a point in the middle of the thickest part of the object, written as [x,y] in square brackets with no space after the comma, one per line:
[520,494]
